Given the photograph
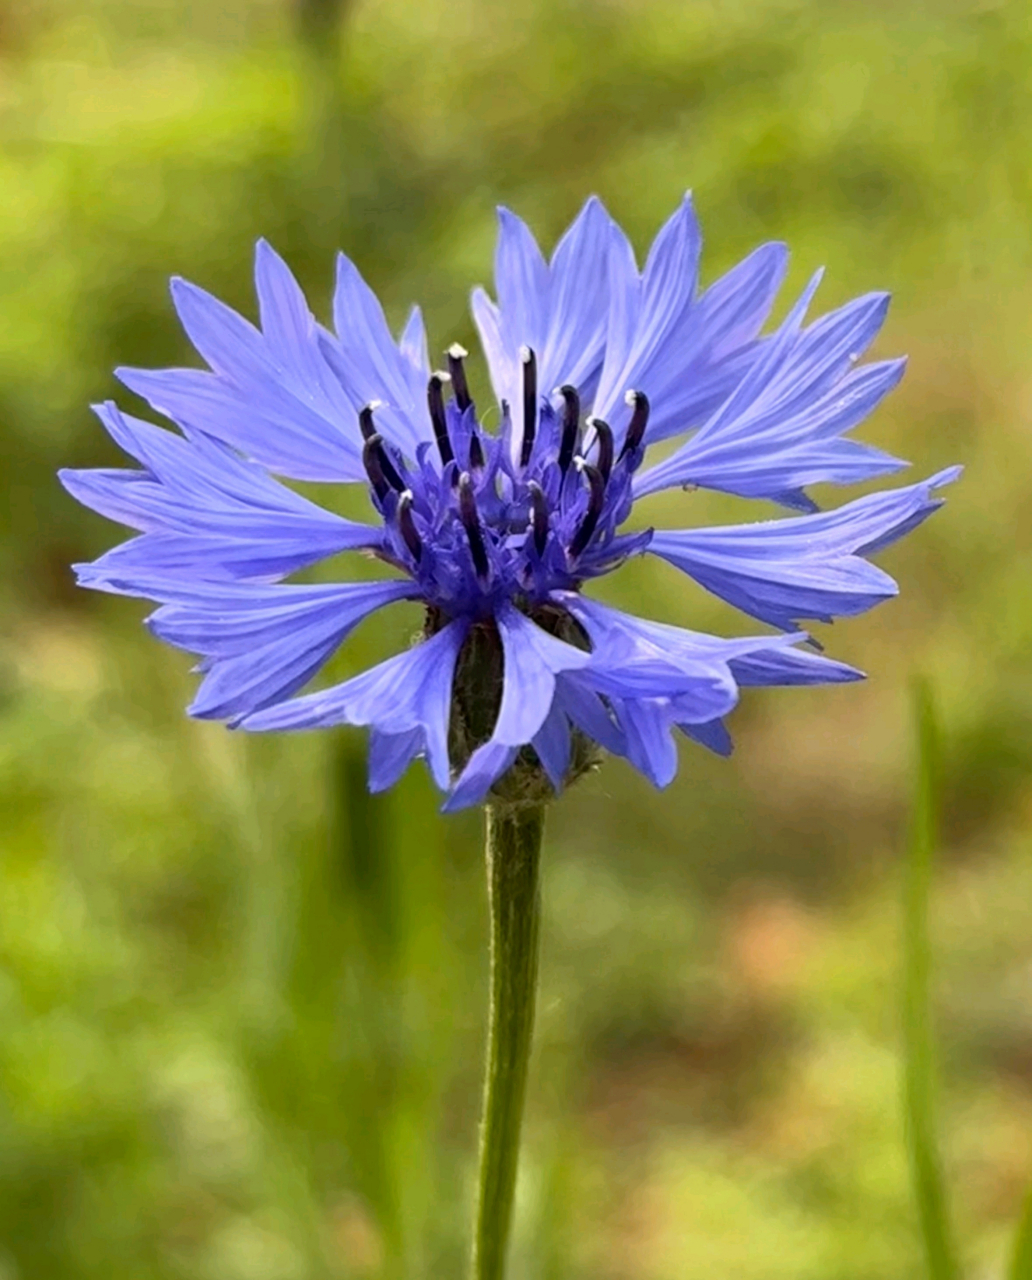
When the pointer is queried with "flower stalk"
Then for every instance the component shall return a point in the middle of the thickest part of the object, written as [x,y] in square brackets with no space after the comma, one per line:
[513,851]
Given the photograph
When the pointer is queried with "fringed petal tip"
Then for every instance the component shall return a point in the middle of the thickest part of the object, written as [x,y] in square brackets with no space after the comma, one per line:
[639,356]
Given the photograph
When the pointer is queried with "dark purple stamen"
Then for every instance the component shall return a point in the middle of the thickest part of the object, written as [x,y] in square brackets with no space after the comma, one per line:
[539,515]
[435,403]
[605,447]
[596,501]
[408,526]
[382,473]
[530,404]
[471,523]
[456,355]
[365,419]
[571,427]
[639,421]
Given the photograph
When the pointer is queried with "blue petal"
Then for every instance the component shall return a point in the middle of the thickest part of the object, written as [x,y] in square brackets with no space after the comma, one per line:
[572,350]
[502,362]
[178,555]
[641,667]
[767,667]
[408,693]
[756,386]
[290,439]
[390,754]
[291,337]
[522,281]
[785,667]
[665,296]
[371,366]
[705,358]
[294,342]
[219,620]
[763,456]
[259,643]
[532,660]
[733,310]
[650,744]
[655,676]
[686,354]
[795,500]
[713,735]
[810,567]
[521,318]
[830,346]
[670,277]
[216,504]
[413,345]
[619,636]
[640,670]
[552,744]
[288,396]
[779,430]
[621,321]
[583,706]
[208,478]
[557,309]
[486,765]
[230,345]
[280,369]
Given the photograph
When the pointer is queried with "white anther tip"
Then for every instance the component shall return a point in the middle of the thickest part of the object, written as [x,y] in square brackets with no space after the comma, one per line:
[631,397]
[590,420]
[457,351]
[373,405]
[465,480]
[526,355]
[442,375]
[580,463]
[406,495]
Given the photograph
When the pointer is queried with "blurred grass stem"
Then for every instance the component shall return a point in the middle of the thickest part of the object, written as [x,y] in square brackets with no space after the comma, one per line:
[919,1067]
[514,894]
[1021,1259]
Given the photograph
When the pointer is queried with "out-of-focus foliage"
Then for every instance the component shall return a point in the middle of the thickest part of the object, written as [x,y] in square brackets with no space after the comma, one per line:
[931,1198]
[241,1002]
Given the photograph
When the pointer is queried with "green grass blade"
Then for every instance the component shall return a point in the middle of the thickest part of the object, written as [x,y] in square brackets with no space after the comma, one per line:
[1021,1259]
[919,1090]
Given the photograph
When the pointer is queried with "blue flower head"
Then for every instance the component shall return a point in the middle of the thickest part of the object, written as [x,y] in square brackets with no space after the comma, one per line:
[519,673]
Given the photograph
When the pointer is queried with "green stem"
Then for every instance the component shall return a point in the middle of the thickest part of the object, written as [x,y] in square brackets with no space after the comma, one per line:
[919,1049]
[514,893]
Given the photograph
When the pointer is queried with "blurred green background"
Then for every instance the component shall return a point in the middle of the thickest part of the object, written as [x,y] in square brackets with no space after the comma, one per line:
[241,1003]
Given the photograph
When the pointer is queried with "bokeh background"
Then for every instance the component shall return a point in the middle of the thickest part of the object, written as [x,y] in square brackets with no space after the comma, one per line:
[241,1003]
